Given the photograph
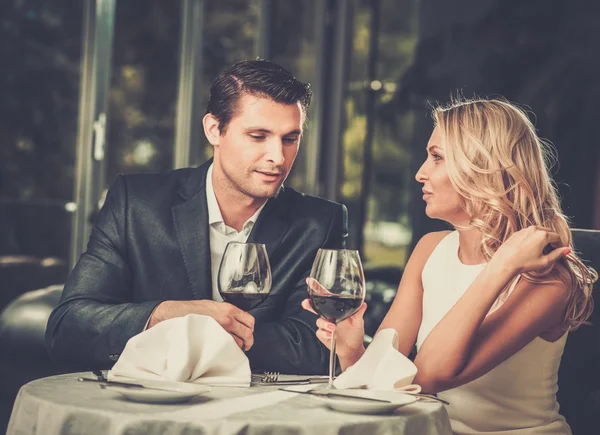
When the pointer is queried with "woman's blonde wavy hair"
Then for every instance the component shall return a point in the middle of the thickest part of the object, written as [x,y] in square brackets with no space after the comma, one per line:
[499,165]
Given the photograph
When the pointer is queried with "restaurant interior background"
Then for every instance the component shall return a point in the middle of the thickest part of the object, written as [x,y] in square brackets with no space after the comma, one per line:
[93,88]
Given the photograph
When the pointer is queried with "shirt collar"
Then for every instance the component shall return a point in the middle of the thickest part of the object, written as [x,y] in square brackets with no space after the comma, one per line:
[214,212]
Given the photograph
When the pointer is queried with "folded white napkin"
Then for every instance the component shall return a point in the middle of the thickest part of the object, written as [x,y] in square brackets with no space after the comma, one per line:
[381,367]
[193,348]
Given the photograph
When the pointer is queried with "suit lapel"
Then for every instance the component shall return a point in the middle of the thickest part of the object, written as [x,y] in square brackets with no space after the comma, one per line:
[190,218]
[271,226]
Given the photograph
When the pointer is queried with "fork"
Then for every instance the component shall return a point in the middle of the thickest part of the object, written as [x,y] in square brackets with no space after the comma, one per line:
[99,375]
[268,377]
[272,378]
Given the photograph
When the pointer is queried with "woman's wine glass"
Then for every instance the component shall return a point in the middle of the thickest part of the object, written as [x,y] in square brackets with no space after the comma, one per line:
[336,288]
[244,275]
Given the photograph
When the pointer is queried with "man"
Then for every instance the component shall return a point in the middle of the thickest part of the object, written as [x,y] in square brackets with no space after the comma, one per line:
[156,245]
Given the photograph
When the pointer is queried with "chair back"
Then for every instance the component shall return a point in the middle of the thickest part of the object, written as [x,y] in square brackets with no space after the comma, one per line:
[24,357]
[579,374]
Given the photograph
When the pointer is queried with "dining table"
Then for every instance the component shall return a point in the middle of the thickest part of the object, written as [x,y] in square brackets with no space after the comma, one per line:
[65,405]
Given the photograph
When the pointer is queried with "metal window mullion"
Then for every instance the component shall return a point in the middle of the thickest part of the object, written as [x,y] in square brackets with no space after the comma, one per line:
[262,46]
[97,37]
[317,107]
[188,128]
[335,65]
[371,107]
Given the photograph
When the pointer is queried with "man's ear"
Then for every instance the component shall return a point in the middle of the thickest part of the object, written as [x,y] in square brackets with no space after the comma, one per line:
[211,129]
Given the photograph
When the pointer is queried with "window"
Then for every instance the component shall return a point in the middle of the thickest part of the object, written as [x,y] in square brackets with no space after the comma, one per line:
[229,36]
[386,228]
[143,92]
[39,83]
[292,45]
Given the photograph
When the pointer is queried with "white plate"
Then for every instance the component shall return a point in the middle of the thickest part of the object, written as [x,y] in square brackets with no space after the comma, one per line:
[365,407]
[177,393]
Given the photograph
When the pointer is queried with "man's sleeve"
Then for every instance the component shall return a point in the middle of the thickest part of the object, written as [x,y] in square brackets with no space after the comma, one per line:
[95,317]
[289,345]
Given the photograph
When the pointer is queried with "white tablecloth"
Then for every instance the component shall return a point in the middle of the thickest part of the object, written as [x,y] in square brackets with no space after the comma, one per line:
[62,405]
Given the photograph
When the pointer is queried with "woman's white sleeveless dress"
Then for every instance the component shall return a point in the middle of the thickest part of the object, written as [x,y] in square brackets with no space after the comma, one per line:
[516,397]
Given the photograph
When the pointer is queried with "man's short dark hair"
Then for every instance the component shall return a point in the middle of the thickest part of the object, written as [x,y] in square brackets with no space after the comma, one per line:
[261,78]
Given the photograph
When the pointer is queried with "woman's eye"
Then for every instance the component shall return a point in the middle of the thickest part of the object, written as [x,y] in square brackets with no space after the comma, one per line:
[436,157]
[257,137]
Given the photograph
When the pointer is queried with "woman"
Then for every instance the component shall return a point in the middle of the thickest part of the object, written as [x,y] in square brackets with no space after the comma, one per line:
[490,304]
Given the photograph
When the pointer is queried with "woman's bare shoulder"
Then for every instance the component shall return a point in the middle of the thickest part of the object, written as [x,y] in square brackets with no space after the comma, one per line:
[427,244]
[430,240]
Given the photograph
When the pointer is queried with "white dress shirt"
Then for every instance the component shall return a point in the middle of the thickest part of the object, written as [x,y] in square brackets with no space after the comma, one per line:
[221,234]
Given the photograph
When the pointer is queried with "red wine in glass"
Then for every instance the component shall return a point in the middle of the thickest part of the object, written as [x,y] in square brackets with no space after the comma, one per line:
[336,288]
[334,309]
[244,275]
[244,301]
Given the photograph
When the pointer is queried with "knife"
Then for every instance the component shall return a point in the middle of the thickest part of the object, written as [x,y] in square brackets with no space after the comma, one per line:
[330,394]
[104,384]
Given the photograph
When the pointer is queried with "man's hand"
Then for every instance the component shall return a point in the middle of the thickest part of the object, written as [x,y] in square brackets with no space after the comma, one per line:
[238,323]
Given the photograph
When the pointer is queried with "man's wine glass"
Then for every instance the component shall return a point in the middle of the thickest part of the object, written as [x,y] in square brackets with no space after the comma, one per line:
[244,275]
[336,288]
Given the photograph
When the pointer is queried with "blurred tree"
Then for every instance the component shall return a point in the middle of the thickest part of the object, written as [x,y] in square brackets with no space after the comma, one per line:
[229,36]
[292,32]
[146,54]
[143,92]
[39,83]
[391,151]
[539,54]
[388,198]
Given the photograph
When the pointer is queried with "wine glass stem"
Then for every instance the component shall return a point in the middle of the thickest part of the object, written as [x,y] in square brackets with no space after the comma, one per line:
[332,360]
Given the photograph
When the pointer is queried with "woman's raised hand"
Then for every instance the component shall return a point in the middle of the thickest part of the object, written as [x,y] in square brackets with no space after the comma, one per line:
[525,250]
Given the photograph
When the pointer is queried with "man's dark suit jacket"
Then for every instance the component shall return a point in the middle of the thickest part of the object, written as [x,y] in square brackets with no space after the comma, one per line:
[150,243]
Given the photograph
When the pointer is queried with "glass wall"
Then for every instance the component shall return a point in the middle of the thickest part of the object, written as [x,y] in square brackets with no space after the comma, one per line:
[355,121]
[143,92]
[387,229]
[292,44]
[382,178]
[229,35]
[40,56]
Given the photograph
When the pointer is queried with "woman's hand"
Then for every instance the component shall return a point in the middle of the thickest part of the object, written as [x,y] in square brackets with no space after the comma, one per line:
[349,334]
[524,250]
